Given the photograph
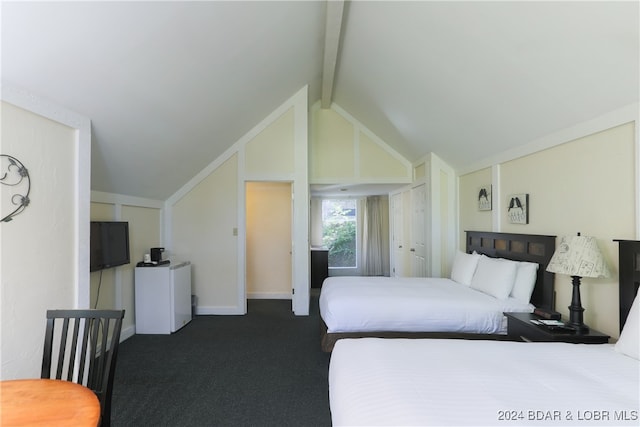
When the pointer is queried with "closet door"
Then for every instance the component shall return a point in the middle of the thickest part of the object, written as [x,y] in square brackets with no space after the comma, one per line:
[418,237]
[397,237]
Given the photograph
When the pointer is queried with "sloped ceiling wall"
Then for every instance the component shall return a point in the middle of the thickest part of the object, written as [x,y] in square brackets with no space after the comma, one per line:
[169,86]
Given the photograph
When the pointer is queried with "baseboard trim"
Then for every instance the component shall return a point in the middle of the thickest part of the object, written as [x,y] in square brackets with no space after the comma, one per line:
[268,295]
[213,310]
[127,332]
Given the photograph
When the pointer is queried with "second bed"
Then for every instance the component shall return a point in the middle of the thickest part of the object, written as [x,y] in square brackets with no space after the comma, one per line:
[442,307]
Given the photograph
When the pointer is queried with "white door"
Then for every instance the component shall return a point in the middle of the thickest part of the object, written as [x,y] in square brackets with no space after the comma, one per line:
[397,238]
[418,237]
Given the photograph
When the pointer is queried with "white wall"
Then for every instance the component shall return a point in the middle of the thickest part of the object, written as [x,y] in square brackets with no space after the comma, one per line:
[114,288]
[343,151]
[586,182]
[470,217]
[441,216]
[44,263]
[204,228]
[205,219]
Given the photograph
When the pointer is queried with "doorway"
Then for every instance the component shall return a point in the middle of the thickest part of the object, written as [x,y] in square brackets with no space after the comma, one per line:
[268,240]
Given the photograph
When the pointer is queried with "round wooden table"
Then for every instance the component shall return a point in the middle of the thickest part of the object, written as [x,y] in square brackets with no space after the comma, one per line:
[47,403]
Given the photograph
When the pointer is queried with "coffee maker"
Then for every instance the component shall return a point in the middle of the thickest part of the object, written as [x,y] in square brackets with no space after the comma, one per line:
[156,256]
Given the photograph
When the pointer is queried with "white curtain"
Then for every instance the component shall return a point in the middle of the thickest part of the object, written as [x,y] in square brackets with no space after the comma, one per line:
[375,236]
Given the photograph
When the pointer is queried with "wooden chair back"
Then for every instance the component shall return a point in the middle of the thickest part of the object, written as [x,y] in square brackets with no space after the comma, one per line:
[82,346]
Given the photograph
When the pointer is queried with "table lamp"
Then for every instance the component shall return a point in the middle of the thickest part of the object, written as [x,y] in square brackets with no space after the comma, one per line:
[578,256]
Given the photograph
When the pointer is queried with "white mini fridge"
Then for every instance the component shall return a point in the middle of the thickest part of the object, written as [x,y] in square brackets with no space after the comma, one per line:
[162,298]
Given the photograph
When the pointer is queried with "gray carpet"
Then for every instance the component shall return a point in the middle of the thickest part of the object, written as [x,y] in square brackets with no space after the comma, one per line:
[262,369]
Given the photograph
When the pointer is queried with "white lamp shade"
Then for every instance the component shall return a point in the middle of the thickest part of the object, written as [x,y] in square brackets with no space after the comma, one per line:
[579,256]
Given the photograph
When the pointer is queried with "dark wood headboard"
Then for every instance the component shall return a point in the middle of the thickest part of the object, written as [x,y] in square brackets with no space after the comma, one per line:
[521,247]
[629,259]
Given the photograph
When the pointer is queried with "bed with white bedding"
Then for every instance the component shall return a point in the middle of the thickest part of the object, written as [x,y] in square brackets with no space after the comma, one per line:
[352,304]
[463,306]
[441,382]
[375,381]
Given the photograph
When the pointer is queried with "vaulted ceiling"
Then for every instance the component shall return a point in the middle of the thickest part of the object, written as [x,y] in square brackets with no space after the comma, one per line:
[169,86]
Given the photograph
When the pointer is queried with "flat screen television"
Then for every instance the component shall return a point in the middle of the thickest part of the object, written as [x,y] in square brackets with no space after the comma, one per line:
[109,244]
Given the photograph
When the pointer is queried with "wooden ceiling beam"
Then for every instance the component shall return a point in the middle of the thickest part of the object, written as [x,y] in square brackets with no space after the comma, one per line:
[333,28]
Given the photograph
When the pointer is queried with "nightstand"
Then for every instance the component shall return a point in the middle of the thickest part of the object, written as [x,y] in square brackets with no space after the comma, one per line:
[520,328]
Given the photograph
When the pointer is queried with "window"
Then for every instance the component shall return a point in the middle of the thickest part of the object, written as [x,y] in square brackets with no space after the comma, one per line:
[339,232]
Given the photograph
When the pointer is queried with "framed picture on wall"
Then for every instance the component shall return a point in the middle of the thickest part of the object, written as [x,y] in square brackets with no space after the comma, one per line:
[518,210]
[484,198]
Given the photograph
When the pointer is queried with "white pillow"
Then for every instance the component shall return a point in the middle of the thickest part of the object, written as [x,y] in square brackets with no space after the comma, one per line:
[628,343]
[494,277]
[526,275]
[464,265]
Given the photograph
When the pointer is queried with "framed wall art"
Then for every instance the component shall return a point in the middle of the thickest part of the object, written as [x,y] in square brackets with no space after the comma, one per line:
[484,198]
[518,210]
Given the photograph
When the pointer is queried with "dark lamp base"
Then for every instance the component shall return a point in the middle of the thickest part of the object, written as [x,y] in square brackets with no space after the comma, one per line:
[580,328]
[575,309]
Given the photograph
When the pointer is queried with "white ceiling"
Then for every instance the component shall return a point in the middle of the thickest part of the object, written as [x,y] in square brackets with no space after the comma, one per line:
[169,86]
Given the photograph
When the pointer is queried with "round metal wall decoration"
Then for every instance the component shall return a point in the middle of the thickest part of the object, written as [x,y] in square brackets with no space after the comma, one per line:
[13,174]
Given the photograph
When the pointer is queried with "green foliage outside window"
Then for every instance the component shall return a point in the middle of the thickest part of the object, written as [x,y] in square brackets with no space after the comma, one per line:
[340,238]
[339,232]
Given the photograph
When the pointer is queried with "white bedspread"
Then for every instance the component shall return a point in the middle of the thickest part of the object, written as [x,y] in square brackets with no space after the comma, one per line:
[424,382]
[411,304]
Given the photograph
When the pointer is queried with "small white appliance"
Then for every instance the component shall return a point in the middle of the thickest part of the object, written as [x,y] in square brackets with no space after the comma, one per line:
[162,298]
